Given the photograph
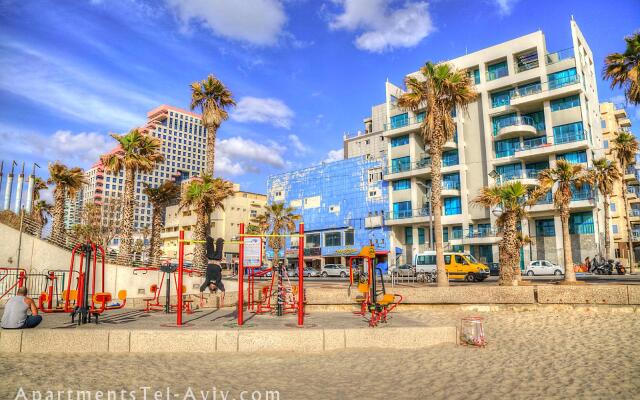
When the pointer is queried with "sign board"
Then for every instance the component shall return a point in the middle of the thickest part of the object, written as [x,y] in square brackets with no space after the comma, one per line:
[252,252]
[368,251]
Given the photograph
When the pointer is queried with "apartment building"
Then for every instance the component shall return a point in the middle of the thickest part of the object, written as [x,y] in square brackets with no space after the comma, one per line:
[623,216]
[242,207]
[534,107]
[183,146]
[342,205]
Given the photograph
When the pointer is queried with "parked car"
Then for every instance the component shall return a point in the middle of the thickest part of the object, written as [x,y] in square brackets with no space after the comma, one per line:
[458,266]
[543,267]
[404,270]
[308,272]
[334,270]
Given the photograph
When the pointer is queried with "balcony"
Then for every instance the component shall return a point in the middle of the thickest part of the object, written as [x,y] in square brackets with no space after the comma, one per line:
[406,170]
[403,125]
[544,91]
[373,221]
[408,217]
[450,189]
[540,147]
[624,122]
[634,215]
[632,192]
[480,236]
[527,177]
[630,174]
[635,234]
[558,56]
[515,127]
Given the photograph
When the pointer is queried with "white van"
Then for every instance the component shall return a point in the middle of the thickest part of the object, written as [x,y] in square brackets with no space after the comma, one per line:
[458,266]
[425,262]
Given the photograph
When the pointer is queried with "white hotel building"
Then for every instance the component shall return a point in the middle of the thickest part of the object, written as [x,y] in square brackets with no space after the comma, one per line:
[534,107]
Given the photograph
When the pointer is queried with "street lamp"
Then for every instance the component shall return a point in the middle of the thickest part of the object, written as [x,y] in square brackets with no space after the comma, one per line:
[428,195]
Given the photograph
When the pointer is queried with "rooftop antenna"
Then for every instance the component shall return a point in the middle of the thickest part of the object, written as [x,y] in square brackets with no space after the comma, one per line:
[8,187]
[32,181]
[18,201]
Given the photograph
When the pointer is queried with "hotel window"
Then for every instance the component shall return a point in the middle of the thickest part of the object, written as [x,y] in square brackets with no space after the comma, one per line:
[400,141]
[456,232]
[400,120]
[452,206]
[502,98]
[400,164]
[562,78]
[402,209]
[565,102]
[451,181]
[614,228]
[613,207]
[445,234]
[474,74]
[333,239]
[312,240]
[581,223]
[536,119]
[497,70]
[575,157]
[450,158]
[402,184]
[568,133]
[421,236]
[408,235]
[545,227]
[348,238]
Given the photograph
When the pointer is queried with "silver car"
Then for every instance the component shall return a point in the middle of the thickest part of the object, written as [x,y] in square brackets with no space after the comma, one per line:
[543,267]
[334,270]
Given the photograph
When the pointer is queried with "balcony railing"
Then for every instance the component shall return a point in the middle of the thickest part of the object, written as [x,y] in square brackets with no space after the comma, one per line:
[558,56]
[569,137]
[451,185]
[540,87]
[418,212]
[409,166]
[497,73]
[533,143]
[582,195]
[635,234]
[481,233]
[634,212]
[527,90]
[547,199]
[564,81]
[402,122]
[513,121]
[525,174]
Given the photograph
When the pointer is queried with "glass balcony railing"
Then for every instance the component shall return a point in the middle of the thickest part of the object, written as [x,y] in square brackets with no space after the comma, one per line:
[558,56]
[497,73]
[409,166]
[547,199]
[451,185]
[513,121]
[525,174]
[402,122]
[404,214]
[564,81]
[527,90]
[581,195]
[569,137]
[481,233]
[634,190]
[533,143]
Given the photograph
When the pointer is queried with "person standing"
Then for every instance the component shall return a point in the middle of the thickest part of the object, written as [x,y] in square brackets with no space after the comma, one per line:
[15,312]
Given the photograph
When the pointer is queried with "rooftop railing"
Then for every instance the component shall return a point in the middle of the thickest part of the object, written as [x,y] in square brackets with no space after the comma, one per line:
[558,56]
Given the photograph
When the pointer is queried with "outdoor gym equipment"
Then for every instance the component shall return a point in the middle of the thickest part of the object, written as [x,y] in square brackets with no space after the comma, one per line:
[291,299]
[168,270]
[65,300]
[6,284]
[89,302]
[372,299]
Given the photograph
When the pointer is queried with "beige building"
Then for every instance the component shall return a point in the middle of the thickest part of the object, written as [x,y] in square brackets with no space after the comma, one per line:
[615,120]
[240,208]
[535,106]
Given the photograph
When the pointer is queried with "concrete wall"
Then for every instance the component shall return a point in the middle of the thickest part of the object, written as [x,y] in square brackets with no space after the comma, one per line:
[583,246]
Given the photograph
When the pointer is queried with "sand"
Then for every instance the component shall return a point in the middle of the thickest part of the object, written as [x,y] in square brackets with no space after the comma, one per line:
[533,354]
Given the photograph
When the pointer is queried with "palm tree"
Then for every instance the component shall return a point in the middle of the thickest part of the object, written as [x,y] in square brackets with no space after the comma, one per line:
[277,219]
[440,89]
[159,197]
[213,99]
[67,181]
[204,195]
[565,177]
[624,69]
[626,147]
[40,213]
[511,200]
[604,175]
[136,152]
[38,185]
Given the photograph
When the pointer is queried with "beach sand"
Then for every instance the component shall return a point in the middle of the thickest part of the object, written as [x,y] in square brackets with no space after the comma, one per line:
[534,354]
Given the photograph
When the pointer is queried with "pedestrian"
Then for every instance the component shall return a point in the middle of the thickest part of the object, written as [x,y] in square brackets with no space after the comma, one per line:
[15,312]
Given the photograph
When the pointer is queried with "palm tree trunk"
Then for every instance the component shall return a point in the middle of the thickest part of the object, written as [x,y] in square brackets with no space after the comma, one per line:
[156,228]
[629,231]
[57,229]
[569,273]
[607,236]
[200,234]
[435,151]
[509,252]
[126,238]
[210,150]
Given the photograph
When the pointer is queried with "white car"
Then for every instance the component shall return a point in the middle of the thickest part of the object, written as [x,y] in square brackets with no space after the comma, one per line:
[543,267]
[334,270]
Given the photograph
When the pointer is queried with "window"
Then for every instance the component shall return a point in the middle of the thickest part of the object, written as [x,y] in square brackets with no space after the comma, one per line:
[348,238]
[421,236]
[401,164]
[450,158]
[581,223]
[402,209]
[575,157]
[451,181]
[614,228]
[502,98]
[565,102]
[400,120]
[506,148]
[603,123]
[445,234]
[408,235]
[456,232]
[474,74]
[605,143]
[333,239]
[562,78]
[613,207]
[509,172]
[536,119]
[452,206]
[312,240]
[420,116]
[545,227]
[402,184]
[503,121]
[497,70]
[568,133]
[400,141]
[529,89]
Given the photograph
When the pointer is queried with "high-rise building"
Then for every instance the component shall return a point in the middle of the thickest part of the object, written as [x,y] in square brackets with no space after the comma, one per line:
[341,204]
[534,107]
[183,147]
[623,216]
[242,207]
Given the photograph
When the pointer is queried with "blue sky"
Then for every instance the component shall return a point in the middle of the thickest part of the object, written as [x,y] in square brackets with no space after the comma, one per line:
[303,71]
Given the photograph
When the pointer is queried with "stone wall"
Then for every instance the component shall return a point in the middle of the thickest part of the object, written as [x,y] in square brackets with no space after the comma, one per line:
[583,246]
[544,248]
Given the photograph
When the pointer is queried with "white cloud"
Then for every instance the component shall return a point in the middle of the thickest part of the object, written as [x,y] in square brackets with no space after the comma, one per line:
[263,110]
[382,27]
[74,149]
[238,156]
[297,144]
[258,22]
[618,99]
[69,88]
[334,155]
[505,7]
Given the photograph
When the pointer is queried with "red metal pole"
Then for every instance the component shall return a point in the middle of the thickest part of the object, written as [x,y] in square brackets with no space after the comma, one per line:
[180,270]
[241,277]
[301,275]
[51,283]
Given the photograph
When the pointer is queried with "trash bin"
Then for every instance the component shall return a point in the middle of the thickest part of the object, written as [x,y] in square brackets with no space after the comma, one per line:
[472,332]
